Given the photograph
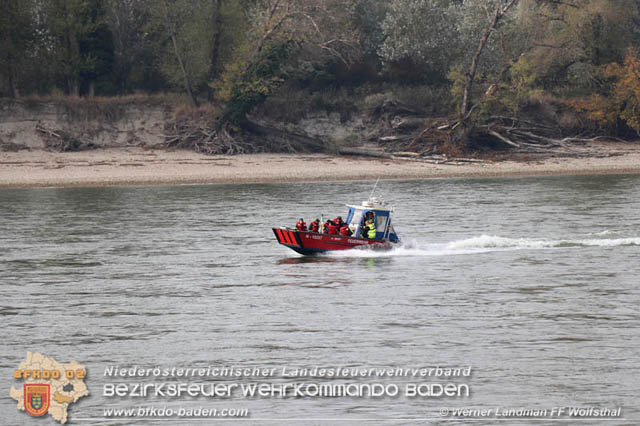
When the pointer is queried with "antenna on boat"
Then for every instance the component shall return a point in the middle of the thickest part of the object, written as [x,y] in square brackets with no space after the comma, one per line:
[374,188]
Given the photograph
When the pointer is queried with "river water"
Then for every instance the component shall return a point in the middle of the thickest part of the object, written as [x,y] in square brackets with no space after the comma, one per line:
[532,283]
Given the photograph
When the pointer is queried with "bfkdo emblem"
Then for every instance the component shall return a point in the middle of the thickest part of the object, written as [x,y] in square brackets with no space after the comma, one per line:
[36,399]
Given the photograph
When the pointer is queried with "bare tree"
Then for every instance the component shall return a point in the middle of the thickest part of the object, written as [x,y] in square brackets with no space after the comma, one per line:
[320,23]
[173,33]
[217,35]
[501,10]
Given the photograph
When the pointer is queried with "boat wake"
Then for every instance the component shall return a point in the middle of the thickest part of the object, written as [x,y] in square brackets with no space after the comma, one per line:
[487,243]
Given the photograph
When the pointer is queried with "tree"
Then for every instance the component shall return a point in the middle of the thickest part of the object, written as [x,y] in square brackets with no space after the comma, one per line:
[133,49]
[216,19]
[425,32]
[621,102]
[176,18]
[276,27]
[191,35]
[76,31]
[323,24]
[17,35]
[570,39]
[500,10]
[367,17]
[98,49]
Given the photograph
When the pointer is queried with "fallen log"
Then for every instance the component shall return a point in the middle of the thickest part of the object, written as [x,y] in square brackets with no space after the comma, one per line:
[407,123]
[503,139]
[294,142]
[363,152]
[406,154]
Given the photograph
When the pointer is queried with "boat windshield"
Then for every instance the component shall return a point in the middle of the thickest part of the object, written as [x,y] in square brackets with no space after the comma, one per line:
[355,218]
[381,223]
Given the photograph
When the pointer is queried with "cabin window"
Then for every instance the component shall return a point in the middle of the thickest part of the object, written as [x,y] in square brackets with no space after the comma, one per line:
[381,223]
[355,220]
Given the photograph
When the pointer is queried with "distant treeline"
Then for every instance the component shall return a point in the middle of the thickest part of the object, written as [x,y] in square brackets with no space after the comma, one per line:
[239,52]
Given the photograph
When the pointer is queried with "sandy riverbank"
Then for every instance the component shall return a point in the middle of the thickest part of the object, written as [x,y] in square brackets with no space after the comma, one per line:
[135,166]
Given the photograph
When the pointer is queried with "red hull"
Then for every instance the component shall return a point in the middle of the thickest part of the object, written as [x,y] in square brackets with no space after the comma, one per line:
[305,242]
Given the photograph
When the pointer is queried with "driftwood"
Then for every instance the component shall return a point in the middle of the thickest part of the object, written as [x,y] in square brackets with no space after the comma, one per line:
[533,139]
[62,141]
[202,138]
[202,135]
[278,139]
[407,123]
[364,152]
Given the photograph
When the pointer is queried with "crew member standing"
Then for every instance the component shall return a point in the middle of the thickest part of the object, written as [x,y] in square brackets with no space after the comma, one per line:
[371,230]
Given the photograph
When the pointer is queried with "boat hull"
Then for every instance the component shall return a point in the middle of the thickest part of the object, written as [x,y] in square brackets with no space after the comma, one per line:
[307,243]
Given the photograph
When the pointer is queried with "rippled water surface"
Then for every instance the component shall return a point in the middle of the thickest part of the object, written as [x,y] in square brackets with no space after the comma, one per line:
[531,282]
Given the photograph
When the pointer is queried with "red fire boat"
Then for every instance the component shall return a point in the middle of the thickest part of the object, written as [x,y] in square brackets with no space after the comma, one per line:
[308,243]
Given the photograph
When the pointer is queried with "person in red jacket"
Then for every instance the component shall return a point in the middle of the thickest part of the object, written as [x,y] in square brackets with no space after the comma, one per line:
[315,226]
[331,227]
[338,221]
[301,225]
[344,230]
[325,227]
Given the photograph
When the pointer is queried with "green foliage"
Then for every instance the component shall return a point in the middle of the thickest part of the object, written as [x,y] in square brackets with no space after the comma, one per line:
[333,55]
[458,79]
[190,22]
[367,17]
[569,40]
[17,33]
[516,93]
[261,77]
[621,102]
[423,31]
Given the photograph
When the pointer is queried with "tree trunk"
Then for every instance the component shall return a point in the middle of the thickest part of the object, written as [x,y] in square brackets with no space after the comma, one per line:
[185,76]
[176,50]
[92,89]
[471,75]
[215,44]
[74,45]
[13,82]
[217,35]
[74,86]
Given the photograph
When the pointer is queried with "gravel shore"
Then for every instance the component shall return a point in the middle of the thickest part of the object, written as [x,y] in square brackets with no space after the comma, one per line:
[136,166]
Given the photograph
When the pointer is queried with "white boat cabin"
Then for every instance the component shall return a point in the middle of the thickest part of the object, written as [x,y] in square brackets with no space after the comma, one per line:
[382,217]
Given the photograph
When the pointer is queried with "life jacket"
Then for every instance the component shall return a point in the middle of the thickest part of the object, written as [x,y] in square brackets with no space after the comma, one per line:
[344,230]
[301,226]
[338,222]
[332,229]
[371,233]
[313,227]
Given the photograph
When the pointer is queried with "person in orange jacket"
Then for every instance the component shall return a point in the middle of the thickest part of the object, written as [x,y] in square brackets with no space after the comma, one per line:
[344,230]
[331,227]
[315,226]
